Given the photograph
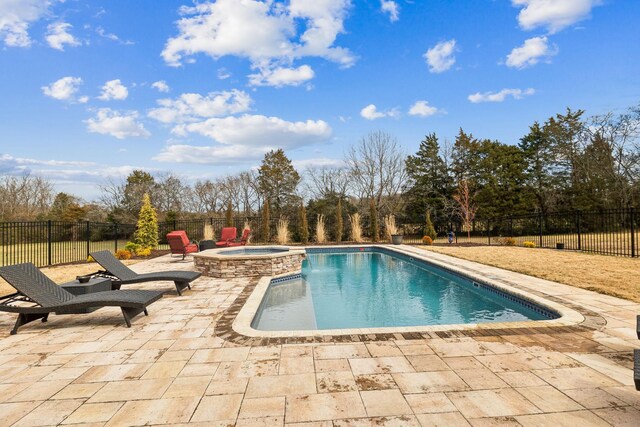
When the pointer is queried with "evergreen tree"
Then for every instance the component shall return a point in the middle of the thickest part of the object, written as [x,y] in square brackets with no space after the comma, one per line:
[375,227]
[430,182]
[339,223]
[67,208]
[304,225]
[278,181]
[266,222]
[146,235]
[228,218]
[429,230]
[539,158]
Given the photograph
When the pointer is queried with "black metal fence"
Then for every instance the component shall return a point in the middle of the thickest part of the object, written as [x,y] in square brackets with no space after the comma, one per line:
[609,232]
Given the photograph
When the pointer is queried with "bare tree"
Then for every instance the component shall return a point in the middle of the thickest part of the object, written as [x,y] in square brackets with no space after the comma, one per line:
[24,197]
[321,182]
[466,207]
[206,197]
[376,170]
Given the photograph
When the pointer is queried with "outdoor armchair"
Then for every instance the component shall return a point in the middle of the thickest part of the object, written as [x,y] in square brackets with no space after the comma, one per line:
[180,244]
[243,239]
[122,275]
[38,296]
[227,236]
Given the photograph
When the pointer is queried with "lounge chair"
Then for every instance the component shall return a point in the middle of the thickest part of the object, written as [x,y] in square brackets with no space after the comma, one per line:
[180,244]
[38,296]
[123,275]
[243,239]
[227,236]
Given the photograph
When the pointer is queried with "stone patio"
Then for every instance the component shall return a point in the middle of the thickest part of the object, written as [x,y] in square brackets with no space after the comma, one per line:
[174,368]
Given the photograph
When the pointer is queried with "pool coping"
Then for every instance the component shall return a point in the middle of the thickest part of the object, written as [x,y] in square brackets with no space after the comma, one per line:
[235,324]
[217,253]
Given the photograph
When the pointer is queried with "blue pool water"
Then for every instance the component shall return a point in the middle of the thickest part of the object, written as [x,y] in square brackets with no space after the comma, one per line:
[375,289]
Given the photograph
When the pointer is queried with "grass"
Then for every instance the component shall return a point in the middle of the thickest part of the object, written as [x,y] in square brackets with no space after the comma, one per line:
[618,243]
[63,273]
[615,276]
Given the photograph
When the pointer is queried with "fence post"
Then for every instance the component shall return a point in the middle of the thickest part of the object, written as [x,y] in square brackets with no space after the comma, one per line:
[540,228]
[115,237]
[633,232]
[88,238]
[489,231]
[49,242]
[578,229]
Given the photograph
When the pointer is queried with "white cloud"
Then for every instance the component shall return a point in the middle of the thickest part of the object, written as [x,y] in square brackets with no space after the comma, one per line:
[161,86]
[500,96]
[554,15]
[223,73]
[243,138]
[118,124]
[190,107]
[58,35]
[270,34]
[423,109]
[15,18]
[65,89]
[111,36]
[392,8]
[114,89]
[530,53]
[370,112]
[282,76]
[441,57]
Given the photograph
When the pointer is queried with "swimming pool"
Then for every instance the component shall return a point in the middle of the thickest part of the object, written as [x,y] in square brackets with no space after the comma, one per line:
[378,288]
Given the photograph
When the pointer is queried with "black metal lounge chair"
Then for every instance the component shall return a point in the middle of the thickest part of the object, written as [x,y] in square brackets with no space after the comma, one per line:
[123,275]
[38,296]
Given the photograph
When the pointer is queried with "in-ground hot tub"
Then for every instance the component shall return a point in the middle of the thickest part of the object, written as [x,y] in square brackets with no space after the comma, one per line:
[249,261]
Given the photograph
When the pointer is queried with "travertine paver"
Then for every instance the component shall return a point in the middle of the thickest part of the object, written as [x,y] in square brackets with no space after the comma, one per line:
[172,367]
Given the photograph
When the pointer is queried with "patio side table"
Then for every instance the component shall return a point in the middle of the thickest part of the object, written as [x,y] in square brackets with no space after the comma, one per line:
[96,284]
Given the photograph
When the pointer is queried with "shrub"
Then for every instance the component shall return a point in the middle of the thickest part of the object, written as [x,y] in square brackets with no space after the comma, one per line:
[123,254]
[429,230]
[304,225]
[147,228]
[390,227]
[321,232]
[356,227]
[529,244]
[266,232]
[228,215]
[339,224]
[374,227]
[132,247]
[208,233]
[507,241]
[143,251]
[427,240]
[282,231]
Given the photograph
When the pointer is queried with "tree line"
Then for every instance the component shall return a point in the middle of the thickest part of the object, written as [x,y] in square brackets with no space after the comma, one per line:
[567,162]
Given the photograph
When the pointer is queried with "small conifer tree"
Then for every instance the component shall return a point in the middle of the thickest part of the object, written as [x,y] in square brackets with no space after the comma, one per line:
[229,215]
[375,228]
[146,235]
[429,230]
[304,225]
[266,222]
[339,224]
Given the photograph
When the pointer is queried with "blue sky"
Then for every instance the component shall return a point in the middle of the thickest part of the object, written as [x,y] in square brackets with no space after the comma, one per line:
[93,90]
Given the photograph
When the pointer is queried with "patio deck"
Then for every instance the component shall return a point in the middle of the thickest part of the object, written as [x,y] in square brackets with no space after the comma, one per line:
[173,367]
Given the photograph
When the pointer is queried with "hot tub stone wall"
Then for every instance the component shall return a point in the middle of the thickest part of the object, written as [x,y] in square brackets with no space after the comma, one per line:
[243,267]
